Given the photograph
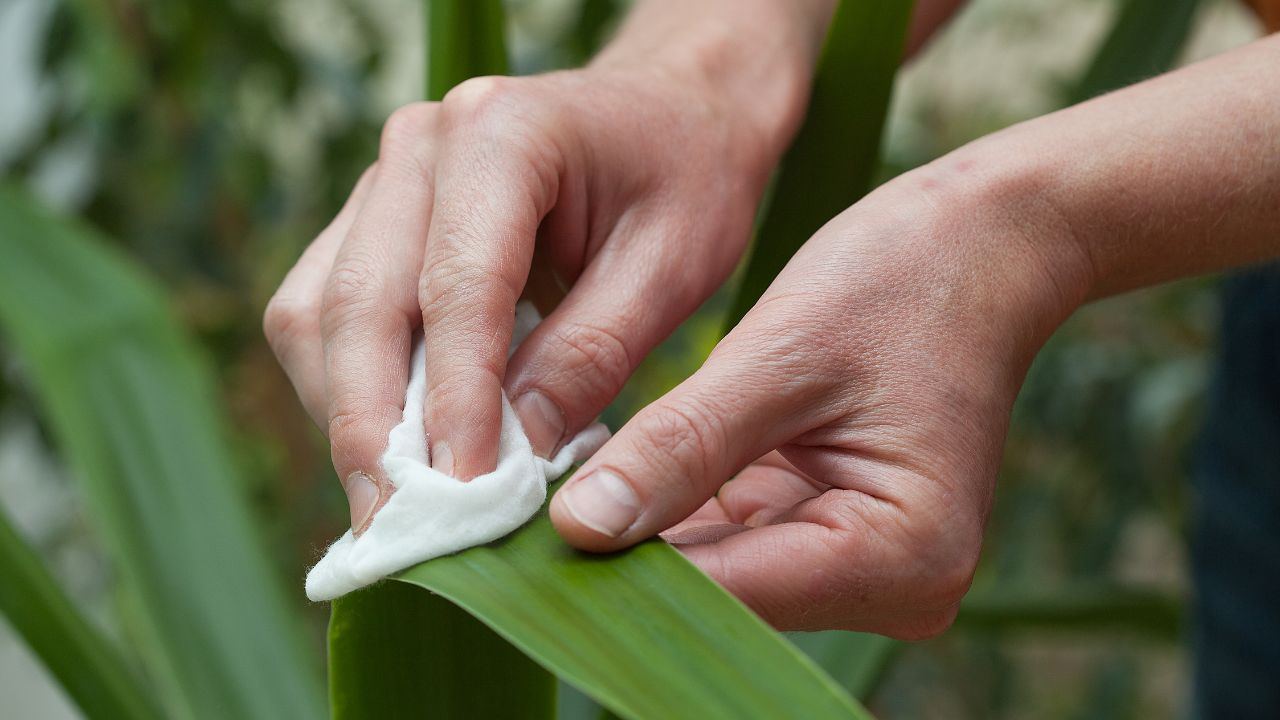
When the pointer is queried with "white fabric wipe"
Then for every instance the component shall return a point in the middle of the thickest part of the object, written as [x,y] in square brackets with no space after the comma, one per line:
[431,514]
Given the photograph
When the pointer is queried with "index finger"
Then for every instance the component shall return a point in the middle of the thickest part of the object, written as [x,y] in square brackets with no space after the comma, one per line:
[494,184]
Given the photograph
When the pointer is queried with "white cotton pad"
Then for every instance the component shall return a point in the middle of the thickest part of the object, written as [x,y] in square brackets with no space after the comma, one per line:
[431,514]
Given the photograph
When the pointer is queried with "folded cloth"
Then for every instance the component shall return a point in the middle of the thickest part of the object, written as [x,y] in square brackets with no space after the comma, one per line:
[431,514]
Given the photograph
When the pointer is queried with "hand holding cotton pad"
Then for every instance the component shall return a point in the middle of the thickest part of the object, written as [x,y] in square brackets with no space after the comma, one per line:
[431,514]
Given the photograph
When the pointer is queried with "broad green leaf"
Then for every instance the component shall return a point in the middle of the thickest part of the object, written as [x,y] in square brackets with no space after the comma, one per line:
[74,652]
[465,38]
[397,652]
[1144,40]
[833,159]
[643,632]
[132,406]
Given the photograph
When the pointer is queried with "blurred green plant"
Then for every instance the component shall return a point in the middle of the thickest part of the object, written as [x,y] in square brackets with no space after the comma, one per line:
[133,408]
[83,661]
[835,155]
[1145,39]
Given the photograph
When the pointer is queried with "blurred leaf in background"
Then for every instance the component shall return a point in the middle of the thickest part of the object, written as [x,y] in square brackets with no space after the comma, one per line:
[133,409]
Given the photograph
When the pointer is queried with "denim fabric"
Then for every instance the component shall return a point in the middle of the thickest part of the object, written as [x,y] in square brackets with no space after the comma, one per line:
[1236,531]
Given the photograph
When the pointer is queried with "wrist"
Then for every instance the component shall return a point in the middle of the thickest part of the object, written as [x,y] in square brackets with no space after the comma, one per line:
[996,202]
[748,63]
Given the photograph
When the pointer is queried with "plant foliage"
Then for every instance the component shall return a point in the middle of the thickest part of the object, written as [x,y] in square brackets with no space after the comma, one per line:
[131,404]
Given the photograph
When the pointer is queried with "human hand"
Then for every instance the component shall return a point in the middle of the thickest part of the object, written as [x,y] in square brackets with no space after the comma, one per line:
[883,362]
[632,188]
[860,410]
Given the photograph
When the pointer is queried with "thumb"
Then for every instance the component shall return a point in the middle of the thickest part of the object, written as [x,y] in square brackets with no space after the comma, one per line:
[675,454]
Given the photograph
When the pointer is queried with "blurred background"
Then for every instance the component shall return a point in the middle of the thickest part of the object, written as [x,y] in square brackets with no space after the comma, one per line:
[214,138]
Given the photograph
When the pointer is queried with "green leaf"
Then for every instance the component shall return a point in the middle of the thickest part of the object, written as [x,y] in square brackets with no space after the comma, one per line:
[74,652]
[397,652]
[594,17]
[465,39]
[643,632]
[132,406]
[833,159]
[1144,41]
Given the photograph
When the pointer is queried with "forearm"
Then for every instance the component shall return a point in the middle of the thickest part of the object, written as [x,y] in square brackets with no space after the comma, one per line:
[757,56]
[1174,177]
[754,56]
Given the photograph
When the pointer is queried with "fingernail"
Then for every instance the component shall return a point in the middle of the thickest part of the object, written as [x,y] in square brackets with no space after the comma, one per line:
[543,422]
[603,502]
[442,458]
[362,497]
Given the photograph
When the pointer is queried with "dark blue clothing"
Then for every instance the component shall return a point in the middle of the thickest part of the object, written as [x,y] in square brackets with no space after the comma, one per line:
[1236,515]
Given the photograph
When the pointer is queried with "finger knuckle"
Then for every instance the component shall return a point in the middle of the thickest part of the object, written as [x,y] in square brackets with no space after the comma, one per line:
[354,437]
[506,125]
[284,319]
[405,145]
[598,356]
[947,587]
[458,388]
[687,432]
[352,288]
[947,557]
[406,129]
[348,284]
[454,284]
[479,99]
[463,244]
